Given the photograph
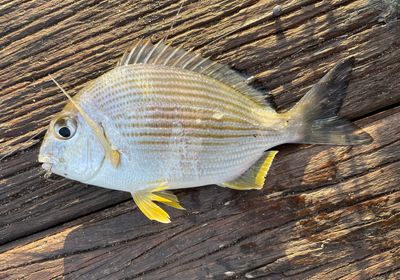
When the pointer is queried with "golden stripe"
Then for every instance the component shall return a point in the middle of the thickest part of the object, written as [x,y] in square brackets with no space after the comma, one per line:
[194,100]
[174,83]
[181,97]
[186,125]
[176,90]
[172,73]
[151,115]
[150,76]
[221,151]
[166,143]
[187,135]
[177,100]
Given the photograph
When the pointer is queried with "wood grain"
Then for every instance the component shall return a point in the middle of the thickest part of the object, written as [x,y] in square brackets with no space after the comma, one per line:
[325,212]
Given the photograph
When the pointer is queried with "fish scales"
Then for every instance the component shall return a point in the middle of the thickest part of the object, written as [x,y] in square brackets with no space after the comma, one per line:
[170,93]
[135,98]
[165,118]
[189,131]
[125,92]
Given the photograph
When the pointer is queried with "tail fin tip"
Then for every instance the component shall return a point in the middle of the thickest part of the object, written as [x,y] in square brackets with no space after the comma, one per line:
[317,112]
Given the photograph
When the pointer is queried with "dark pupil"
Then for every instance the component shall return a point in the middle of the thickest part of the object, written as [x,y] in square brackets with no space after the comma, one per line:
[64,132]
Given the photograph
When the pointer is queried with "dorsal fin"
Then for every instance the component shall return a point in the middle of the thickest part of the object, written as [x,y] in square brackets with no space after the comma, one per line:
[144,52]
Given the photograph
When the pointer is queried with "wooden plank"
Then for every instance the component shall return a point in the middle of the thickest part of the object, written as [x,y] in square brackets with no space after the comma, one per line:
[312,226]
[27,107]
[312,191]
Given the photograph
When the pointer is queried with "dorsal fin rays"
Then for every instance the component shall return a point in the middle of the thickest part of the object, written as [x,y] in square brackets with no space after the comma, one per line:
[131,53]
[181,60]
[160,54]
[137,58]
[174,53]
[150,53]
[184,66]
[201,62]
[144,52]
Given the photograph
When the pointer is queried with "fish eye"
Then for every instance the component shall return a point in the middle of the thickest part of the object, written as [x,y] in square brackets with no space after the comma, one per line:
[65,128]
[64,132]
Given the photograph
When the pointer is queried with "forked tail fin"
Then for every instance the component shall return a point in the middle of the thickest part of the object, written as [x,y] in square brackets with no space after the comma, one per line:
[315,117]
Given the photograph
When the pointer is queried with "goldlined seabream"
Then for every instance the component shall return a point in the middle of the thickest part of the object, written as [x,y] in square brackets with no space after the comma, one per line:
[165,118]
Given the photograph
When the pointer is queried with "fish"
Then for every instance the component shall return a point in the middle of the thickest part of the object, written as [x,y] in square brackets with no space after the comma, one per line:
[167,118]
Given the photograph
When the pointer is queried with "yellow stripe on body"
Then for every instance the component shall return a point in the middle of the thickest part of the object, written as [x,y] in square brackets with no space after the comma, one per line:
[166,95]
[185,89]
[186,135]
[200,78]
[153,76]
[162,124]
[154,114]
[206,92]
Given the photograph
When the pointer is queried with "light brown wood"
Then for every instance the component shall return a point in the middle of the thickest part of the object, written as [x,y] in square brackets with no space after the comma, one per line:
[325,212]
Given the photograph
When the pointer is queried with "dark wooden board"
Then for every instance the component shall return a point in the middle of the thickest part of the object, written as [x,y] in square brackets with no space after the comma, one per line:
[325,212]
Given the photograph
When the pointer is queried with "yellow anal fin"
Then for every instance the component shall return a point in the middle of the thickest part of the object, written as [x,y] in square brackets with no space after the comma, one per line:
[253,178]
[145,201]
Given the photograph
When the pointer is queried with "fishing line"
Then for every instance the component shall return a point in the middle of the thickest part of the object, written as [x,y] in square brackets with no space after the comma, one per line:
[173,22]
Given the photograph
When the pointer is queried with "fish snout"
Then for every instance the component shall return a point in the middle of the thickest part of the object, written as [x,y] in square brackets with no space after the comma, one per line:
[47,164]
[44,158]
[47,161]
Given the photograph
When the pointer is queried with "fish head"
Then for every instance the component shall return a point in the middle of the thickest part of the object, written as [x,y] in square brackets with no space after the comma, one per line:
[70,148]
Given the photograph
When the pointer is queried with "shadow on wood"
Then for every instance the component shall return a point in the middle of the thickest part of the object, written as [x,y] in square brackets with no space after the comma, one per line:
[295,232]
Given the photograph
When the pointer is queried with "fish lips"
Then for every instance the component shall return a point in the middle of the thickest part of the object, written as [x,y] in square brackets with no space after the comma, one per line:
[47,164]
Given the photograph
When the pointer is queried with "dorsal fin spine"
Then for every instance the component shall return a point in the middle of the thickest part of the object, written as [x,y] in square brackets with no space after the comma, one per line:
[180,58]
[189,61]
[213,71]
[140,52]
[209,66]
[160,54]
[199,64]
[131,53]
[151,52]
[123,58]
[172,54]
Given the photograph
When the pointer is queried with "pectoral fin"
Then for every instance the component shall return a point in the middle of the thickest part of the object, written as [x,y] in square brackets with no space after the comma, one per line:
[145,201]
[253,178]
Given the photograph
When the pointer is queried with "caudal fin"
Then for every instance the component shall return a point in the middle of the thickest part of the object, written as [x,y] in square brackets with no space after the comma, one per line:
[315,116]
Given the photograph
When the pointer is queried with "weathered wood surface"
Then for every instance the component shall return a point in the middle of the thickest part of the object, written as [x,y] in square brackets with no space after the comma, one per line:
[325,213]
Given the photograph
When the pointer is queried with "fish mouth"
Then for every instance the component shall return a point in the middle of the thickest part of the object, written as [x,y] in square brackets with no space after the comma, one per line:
[47,165]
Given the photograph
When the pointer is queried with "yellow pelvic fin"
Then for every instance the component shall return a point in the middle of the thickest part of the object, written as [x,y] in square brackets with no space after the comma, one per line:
[112,155]
[145,201]
[254,178]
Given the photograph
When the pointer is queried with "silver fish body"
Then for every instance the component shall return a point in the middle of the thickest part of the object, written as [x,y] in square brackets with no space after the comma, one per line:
[166,117]
[176,126]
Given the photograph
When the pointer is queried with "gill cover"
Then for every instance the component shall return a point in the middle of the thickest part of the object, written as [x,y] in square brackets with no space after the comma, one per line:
[112,155]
